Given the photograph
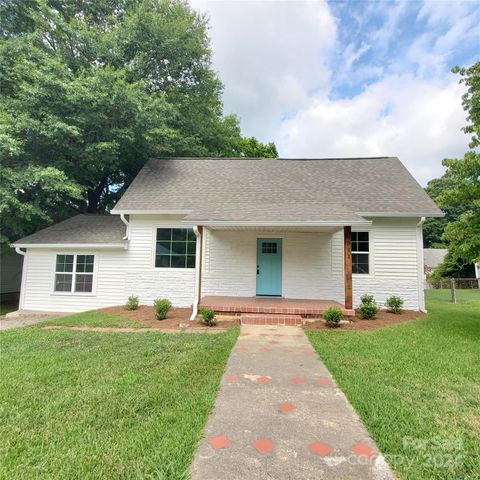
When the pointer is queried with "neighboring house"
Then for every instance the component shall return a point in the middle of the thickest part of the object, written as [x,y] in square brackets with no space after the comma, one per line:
[10,277]
[432,258]
[188,228]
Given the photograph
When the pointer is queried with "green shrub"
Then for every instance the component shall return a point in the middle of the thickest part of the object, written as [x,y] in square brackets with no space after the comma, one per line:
[367,298]
[162,306]
[368,310]
[132,303]
[208,316]
[394,304]
[332,316]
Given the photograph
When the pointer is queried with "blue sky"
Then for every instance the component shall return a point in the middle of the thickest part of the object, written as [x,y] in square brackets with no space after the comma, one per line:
[378,38]
[325,79]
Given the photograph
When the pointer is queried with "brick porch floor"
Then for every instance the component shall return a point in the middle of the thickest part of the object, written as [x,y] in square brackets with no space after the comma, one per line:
[289,306]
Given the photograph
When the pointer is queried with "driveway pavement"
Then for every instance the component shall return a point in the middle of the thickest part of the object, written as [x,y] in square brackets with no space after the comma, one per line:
[279,415]
[23,318]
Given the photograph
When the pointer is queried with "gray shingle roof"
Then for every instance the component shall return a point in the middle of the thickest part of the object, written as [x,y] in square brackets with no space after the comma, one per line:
[433,257]
[81,229]
[252,189]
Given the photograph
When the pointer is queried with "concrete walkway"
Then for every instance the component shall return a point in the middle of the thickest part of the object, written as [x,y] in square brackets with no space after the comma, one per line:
[279,415]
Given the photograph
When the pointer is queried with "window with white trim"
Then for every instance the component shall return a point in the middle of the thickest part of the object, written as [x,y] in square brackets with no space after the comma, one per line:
[361,252]
[74,273]
[175,248]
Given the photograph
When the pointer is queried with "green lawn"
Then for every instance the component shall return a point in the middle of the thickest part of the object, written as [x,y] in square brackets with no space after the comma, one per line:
[86,405]
[416,387]
[95,318]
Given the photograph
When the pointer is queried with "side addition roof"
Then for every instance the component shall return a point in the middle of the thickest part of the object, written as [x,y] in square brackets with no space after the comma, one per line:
[80,230]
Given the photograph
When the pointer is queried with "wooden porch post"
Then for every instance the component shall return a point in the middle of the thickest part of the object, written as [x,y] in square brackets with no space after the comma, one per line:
[347,266]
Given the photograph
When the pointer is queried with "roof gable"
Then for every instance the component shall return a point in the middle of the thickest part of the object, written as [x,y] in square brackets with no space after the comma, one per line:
[254,189]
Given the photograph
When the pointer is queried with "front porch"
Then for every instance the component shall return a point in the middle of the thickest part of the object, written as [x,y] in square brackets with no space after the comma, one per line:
[272,305]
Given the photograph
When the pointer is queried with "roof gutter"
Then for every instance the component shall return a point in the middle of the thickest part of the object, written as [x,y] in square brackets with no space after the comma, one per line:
[339,223]
[150,212]
[19,251]
[198,271]
[400,214]
[126,222]
[96,246]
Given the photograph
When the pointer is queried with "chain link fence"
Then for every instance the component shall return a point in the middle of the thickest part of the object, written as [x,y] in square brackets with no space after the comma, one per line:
[455,290]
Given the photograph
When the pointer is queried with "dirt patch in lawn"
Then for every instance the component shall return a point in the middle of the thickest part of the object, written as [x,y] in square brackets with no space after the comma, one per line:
[177,318]
[383,319]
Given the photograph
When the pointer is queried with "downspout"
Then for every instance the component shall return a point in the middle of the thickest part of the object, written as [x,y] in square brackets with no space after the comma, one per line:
[21,301]
[420,266]
[198,271]
[127,223]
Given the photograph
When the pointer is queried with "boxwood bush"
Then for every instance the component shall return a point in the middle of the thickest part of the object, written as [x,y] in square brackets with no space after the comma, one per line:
[132,303]
[394,304]
[162,306]
[208,316]
[368,307]
[332,316]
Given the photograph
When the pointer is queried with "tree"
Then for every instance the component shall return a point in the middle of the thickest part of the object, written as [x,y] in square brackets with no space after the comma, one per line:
[93,89]
[463,234]
[35,195]
[433,228]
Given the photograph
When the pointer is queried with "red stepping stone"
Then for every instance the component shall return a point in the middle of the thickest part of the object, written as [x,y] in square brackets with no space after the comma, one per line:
[264,379]
[274,342]
[286,407]
[264,349]
[242,349]
[324,381]
[297,380]
[320,449]
[263,445]
[220,441]
[308,352]
[287,350]
[231,378]
[364,450]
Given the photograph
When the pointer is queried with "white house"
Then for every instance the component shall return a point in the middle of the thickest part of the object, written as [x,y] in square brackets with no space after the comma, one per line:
[227,232]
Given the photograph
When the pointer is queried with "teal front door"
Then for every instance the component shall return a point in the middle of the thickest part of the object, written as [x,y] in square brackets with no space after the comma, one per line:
[269,266]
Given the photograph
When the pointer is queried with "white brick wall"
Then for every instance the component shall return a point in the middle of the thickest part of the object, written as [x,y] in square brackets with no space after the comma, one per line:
[231,259]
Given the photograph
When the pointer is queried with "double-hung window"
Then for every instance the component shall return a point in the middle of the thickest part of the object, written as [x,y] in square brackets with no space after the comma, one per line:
[360,252]
[74,273]
[175,248]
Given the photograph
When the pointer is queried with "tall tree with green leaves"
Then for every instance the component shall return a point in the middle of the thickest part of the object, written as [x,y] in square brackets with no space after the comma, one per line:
[91,90]
[463,235]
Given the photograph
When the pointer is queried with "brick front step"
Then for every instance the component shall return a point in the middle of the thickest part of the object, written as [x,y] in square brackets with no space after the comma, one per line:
[290,320]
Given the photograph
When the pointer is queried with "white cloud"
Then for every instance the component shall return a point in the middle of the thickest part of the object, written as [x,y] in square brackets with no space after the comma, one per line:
[279,62]
[270,55]
[416,120]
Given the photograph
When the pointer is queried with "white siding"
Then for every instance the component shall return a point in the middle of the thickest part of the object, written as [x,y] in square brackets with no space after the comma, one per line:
[394,263]
[109,278]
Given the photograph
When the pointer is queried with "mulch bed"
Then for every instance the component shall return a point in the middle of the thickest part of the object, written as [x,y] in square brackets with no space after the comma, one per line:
[177,318]
[383,319]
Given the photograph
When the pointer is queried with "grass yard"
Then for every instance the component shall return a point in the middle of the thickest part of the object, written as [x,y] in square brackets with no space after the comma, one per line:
[416,386]
[86,405]
[95,318]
